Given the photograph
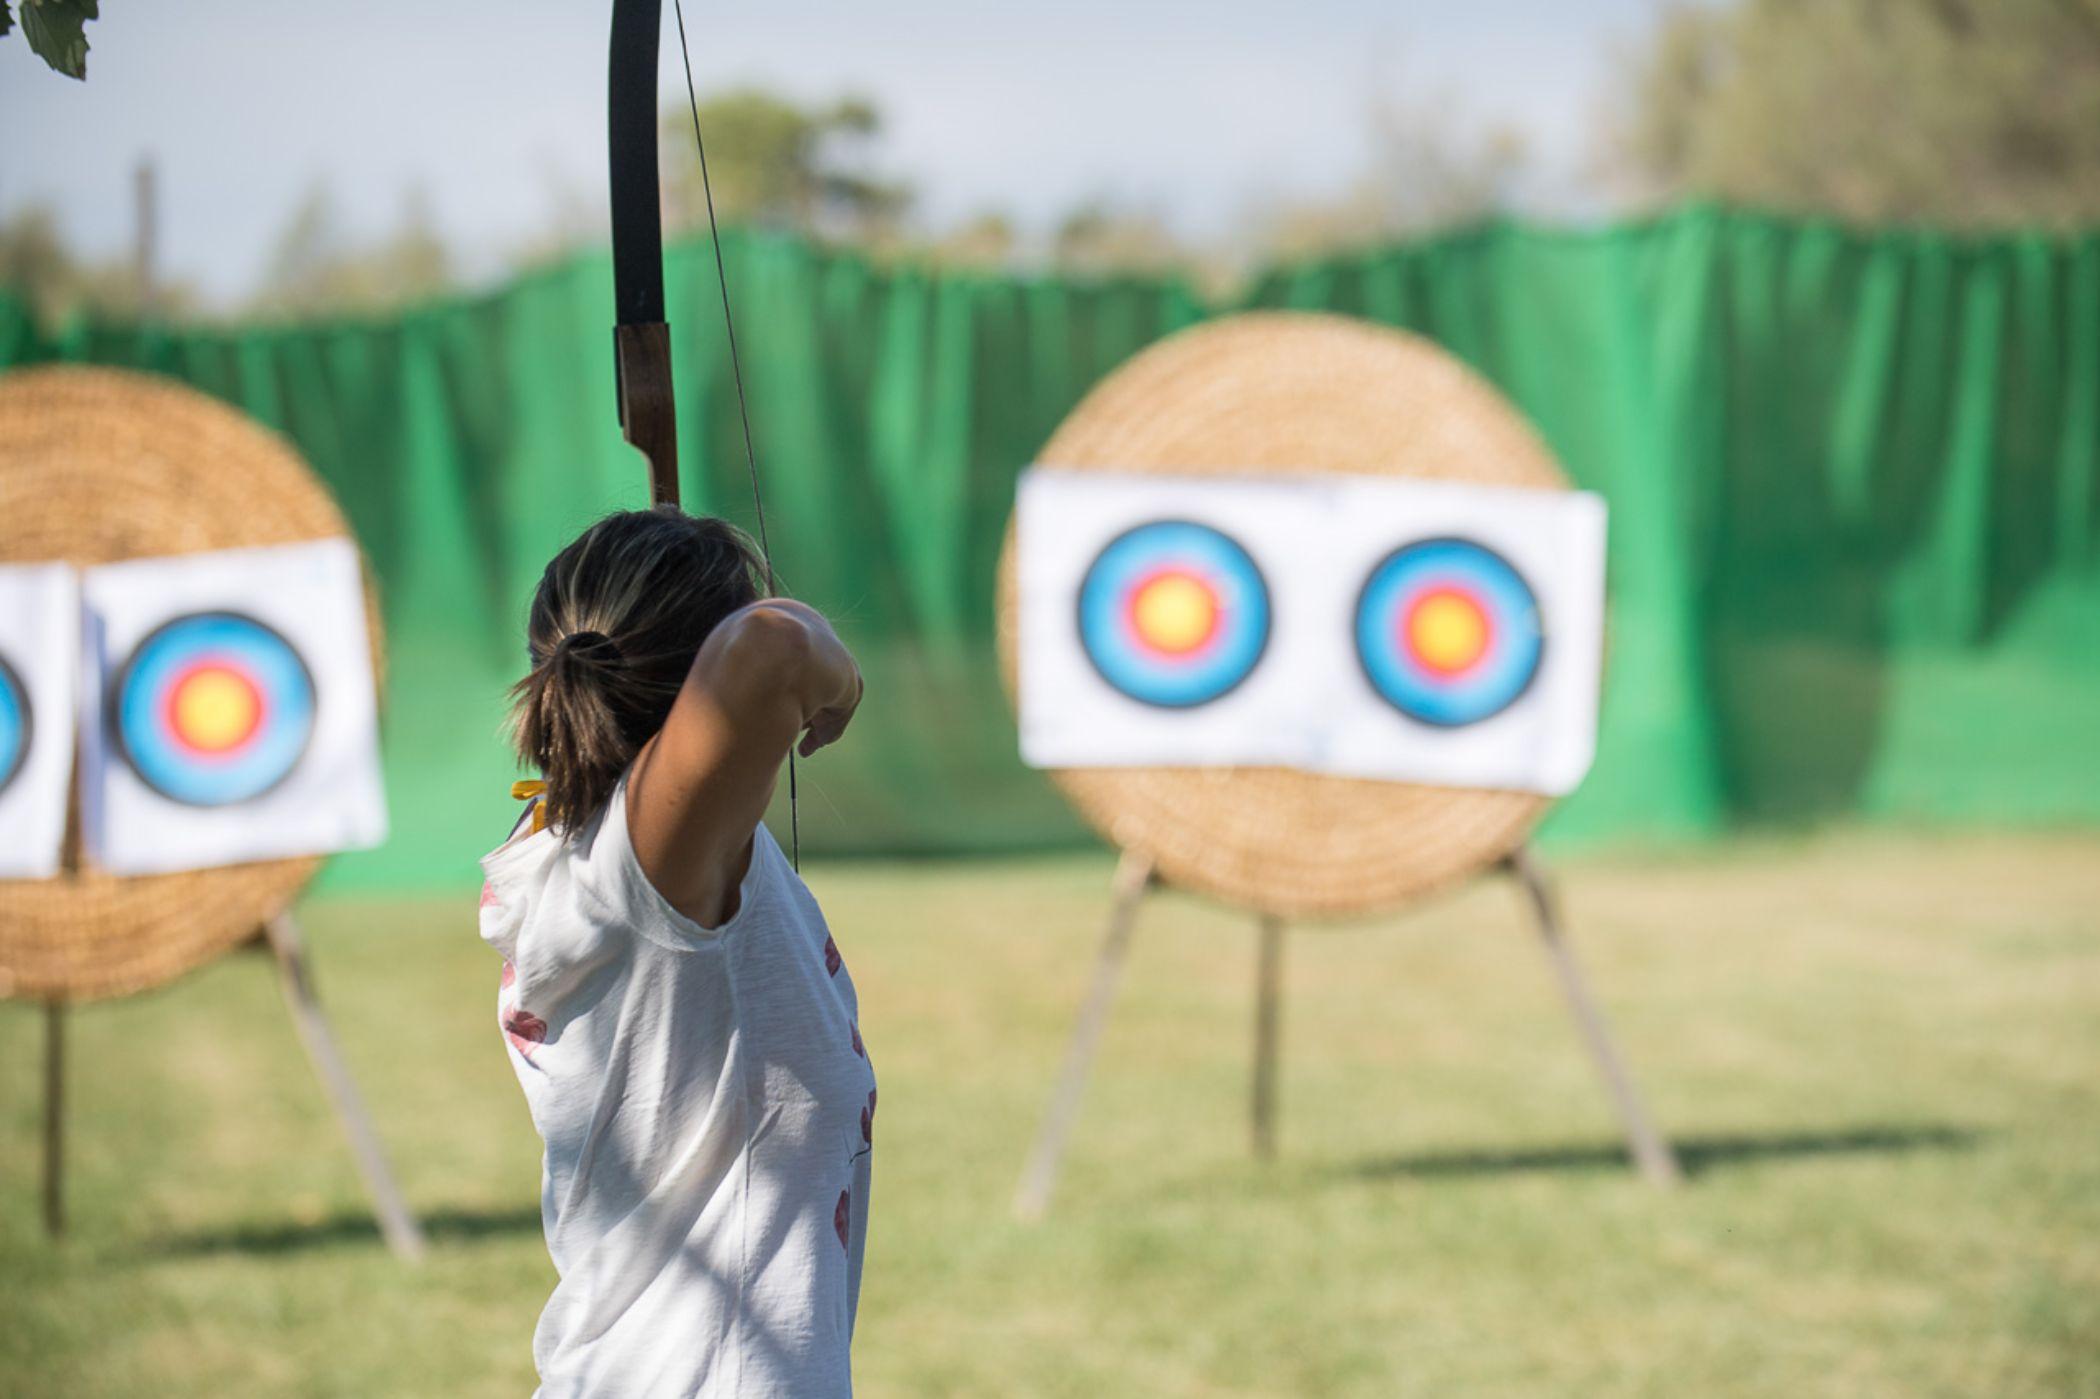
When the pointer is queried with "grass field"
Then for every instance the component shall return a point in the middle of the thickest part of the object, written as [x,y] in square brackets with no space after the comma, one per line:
[1879,1055]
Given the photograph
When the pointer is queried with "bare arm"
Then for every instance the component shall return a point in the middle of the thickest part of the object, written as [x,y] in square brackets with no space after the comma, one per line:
[767,675]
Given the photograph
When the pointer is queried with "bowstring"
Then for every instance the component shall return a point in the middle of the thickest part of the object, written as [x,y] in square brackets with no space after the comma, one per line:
[743,405]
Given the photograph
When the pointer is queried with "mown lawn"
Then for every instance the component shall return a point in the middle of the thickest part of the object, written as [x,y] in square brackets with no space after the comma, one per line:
[1880,1057]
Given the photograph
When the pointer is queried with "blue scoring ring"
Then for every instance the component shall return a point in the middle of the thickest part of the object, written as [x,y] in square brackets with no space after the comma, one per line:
[1488,686]
[17,724]
[139,717]
[1165,679]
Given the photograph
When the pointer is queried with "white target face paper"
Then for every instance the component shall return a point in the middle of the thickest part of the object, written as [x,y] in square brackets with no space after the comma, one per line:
[1367,627]
[1476,619]
[1152,631]
[236,719]
[39,668]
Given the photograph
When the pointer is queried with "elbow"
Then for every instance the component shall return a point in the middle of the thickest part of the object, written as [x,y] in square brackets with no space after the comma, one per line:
[764,646]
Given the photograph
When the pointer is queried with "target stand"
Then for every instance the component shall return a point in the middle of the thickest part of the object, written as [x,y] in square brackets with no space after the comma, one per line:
[1136,876]
[98,466]
[1280,394]
[279,938]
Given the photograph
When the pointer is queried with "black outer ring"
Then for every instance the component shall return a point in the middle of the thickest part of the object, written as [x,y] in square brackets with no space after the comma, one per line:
[1363,596]
[114,704]
[13,681]
[1268,624]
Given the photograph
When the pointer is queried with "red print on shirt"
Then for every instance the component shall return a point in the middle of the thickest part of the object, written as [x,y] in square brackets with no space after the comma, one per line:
[842,1217]
[524,1030]
[488,897]
[857,1046]
[832,960]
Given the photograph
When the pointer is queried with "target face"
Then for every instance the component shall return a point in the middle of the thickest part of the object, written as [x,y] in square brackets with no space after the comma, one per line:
[213,709]
[1448,632]
[1173,614]
[14,724]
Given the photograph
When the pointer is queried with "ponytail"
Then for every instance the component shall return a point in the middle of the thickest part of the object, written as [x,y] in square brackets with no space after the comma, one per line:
[567,724]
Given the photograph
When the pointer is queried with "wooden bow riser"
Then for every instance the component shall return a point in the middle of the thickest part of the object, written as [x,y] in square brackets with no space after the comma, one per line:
[648,412]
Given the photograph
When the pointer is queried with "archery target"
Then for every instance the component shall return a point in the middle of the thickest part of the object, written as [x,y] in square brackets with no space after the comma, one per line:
[1174,613]
[1475,626]
[238,715]
[1447,631]
[39,664]
[213,708]
[1153,628]
[1413,631]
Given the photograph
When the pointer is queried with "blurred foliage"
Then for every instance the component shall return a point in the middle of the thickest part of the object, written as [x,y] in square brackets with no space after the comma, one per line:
[984,240]
[56,31]
[1961,113]
[318,268]
[780,164]
[1965,113]
[1429,166]
[1102,237]
[36,261]
[815,170]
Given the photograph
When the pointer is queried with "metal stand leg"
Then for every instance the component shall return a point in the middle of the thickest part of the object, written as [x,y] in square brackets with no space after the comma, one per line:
[1268,989]
[396,1224]
[1032,1198]
[54,1118]
[1651,1153]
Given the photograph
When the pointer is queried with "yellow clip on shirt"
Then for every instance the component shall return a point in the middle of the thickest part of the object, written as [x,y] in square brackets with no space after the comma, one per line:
[535,791]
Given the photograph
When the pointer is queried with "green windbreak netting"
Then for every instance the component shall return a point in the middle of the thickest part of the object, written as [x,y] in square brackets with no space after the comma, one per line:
[1852,481]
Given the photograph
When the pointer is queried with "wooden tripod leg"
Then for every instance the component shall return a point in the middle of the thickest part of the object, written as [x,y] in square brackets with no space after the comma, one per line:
[1267,1018]
[1651,1153]
[54,1118]
[396,1224]
[1032,1198]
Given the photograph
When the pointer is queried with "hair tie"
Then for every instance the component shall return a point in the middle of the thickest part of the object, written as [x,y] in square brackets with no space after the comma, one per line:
[591,646]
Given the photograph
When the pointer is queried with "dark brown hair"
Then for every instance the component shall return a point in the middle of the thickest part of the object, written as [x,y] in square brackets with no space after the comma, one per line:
[615,624]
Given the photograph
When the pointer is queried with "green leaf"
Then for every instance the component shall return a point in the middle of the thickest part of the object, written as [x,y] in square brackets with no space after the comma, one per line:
[57,32]
[7,21]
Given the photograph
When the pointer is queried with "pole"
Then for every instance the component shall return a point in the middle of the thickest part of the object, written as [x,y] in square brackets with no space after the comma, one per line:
[54,1118]
[1650,1151]
[1267,1015]
[1032,1199]
[396,1224]
[146,234]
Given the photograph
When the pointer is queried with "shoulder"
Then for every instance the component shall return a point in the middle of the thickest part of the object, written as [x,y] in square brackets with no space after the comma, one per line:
[551,906]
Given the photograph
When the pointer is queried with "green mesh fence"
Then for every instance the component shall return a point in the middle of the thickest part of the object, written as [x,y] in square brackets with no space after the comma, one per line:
[1852,481]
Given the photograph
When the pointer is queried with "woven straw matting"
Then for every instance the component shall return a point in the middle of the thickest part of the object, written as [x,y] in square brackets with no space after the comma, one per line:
[1280,393]
[99,465]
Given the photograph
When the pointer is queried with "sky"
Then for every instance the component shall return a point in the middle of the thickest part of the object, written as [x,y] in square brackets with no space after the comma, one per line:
[495,109]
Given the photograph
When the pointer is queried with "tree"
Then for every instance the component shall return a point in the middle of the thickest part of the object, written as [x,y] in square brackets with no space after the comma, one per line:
[56,31]
[1430,165]
[1102,237]
[1964,113]
[984,240]
[782,165]
[316,269]
[37,264]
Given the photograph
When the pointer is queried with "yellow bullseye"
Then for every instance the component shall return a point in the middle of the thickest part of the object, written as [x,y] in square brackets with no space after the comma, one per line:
[215,709]
[1447,631]
[1174,613]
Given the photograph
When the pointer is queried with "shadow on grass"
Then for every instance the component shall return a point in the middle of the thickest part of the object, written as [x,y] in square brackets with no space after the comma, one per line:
[1698,1155]
[350,1227]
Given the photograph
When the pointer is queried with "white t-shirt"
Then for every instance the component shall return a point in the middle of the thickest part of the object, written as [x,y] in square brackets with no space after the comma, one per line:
[708,1110]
